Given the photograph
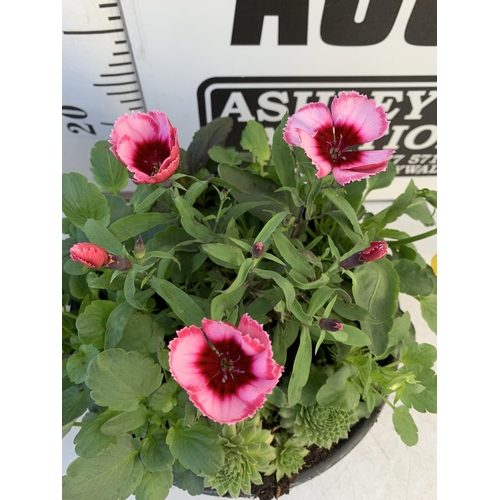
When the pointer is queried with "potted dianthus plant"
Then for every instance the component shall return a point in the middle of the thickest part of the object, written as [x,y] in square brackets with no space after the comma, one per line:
[240,309]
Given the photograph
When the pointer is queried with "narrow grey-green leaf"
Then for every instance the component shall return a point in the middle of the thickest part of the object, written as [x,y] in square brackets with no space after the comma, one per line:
[383,179]
[292,256]
[223,304]
[281,157]
[224,255]
[301,367]
[99,235]
[121,380]
[282,282]
[355,336]
[114,474]
[108,171]
[189,223]
[82,200]
[180,302]
[135,224]
[343,205]
[270,226]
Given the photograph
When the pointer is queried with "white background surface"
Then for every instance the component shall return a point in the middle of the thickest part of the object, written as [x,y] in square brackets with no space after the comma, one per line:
[381,466]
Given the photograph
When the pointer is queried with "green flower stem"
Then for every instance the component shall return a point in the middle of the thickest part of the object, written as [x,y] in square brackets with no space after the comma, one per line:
[412,239]
[385,399]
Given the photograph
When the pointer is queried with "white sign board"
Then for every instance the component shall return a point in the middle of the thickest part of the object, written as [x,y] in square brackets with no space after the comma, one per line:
[196,60]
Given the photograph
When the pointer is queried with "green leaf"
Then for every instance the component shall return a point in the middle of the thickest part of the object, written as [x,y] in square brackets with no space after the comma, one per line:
[377,289]
[247,182]
[118,319]
[281,157]
[271,225]
[155,485]
[419,210]
[318,300]
[405,425]
[132,225]
[355,336]
[90,441]
[108,171]
[164,399]
[92,323]
[189,223]
[428,306]
[121,380]
[301,367]
[420,354]
[413,280]
[75,402]
[353,312]
[144,205]
[197,448]
[224,255]
[125,422]
[400,329]
[224,155]
[383,179]
[114,474]
[82,200]
[343,205]
[180,302]
[155,453]
[78,361]
[245,268]
[101,236]
[187,480]
[346,398]
[254,139]
[212,134]
[283,283]
[141,334]
[292,256]
[426,400]
[222,305]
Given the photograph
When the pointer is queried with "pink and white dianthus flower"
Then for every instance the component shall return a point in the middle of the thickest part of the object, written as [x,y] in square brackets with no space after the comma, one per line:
[226,371]
[147,144]
[326,136]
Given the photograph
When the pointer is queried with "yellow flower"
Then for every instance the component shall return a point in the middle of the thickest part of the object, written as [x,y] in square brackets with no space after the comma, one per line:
[434,264]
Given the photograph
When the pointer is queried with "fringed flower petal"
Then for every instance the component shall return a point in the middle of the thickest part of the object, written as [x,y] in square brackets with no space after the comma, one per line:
[225,370]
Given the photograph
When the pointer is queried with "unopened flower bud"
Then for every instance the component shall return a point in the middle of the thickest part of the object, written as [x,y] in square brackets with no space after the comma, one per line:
[139,248]
[375,251]
[258,249]
[89,254]
[118,263]
[330,325]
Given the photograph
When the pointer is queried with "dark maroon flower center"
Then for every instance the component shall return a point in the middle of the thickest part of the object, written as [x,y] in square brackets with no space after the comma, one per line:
[149,156]
[227,369]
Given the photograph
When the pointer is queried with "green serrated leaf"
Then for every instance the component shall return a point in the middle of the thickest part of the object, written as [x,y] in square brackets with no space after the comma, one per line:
[141,334]
[155,452]
[420,354]
[224,155]
[90,441]
[155,485]
[75,402]
[121,380]
[164,399]
[428,307]
[108,171]
[405,425]
[254,139]
[76,366]
[125,422]
[91,324]
[82,200]
[114,474]
[413,280]
[197,448]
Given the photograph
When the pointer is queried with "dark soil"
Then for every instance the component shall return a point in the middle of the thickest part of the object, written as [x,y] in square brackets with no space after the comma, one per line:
[274,489]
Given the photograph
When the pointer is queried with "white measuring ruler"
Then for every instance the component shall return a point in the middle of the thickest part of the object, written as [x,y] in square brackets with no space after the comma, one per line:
[100,80]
